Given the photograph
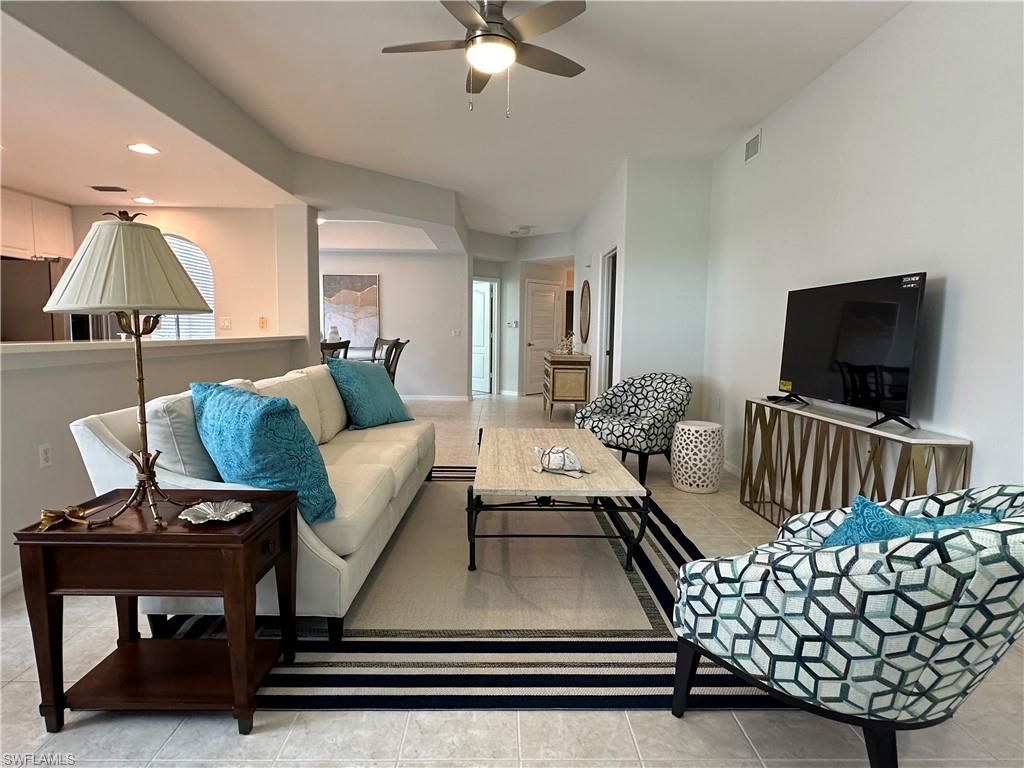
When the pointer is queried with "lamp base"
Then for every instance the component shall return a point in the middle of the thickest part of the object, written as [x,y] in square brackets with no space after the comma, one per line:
[146,491]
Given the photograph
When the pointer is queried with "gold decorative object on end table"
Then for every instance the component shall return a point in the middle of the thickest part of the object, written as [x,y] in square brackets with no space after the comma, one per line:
[127,268]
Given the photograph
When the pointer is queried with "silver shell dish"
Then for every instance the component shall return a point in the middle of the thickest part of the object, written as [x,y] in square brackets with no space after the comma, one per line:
[215,511]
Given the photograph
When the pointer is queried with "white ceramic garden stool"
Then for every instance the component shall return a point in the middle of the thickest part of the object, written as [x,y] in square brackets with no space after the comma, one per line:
[697,456]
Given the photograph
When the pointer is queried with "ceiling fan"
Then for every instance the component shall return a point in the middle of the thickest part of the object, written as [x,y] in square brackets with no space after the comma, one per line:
[494,43]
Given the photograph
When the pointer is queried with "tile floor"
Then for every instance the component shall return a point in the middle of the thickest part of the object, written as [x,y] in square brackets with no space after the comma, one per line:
[988,731]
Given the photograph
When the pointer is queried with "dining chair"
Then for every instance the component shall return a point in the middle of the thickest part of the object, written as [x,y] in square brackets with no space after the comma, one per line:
[334,349]
[394,351]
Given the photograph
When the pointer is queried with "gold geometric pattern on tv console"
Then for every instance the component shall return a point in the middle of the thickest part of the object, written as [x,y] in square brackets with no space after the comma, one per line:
[797,460]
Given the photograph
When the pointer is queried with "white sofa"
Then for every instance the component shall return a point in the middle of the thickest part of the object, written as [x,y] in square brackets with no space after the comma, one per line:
[374,473]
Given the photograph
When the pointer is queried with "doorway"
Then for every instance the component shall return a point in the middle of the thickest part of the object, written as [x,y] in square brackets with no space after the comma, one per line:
[542,329]
[608,275]
[483,357]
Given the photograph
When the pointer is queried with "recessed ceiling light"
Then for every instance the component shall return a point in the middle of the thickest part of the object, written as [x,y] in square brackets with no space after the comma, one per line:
[144,149]
[144,200]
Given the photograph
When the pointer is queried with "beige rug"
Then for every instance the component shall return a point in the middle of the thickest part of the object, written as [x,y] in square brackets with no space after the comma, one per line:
[541,623]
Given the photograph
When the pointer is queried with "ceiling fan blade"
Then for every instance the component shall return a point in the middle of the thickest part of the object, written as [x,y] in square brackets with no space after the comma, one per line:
[535,57]
[436,45]
[544,18]
[475,81]
[467,14]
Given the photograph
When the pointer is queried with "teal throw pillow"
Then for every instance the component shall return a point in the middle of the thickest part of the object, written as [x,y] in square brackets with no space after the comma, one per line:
[370,397]
[870,522]
[263,442]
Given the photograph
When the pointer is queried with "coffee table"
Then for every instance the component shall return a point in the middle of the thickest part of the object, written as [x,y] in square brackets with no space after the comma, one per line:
[505,468]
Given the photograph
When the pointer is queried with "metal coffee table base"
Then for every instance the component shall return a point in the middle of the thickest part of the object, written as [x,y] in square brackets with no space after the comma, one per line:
[475,505]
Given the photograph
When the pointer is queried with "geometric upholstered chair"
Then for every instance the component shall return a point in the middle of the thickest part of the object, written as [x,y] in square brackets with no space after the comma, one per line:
[886,636]
[637,415]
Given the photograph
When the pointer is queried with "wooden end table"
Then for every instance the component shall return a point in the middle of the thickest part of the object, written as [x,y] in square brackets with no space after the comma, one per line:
[132,558]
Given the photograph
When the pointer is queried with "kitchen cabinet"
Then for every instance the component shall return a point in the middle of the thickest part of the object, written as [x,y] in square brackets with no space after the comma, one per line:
[16,231]
[33,228]
[51,223]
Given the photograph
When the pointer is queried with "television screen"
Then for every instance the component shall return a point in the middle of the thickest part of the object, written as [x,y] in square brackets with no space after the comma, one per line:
[854,343]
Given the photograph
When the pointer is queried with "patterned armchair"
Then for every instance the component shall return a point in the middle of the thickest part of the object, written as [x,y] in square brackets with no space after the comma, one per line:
[889,635]
[638,415]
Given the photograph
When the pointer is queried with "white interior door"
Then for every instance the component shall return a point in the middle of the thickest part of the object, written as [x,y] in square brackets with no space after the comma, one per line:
[483,337]
[542,331]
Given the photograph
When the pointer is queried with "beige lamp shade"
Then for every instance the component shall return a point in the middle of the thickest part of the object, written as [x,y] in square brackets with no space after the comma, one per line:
[123,266]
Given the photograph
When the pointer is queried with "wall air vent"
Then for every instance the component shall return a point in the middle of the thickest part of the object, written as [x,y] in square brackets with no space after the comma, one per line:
[752,148]
[108,188]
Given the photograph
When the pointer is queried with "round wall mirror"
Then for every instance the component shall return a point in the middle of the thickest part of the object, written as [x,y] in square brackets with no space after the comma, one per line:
[585,311]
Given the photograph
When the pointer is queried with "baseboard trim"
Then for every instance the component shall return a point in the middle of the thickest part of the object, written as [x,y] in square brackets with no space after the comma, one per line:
[448,398]
[732,469]
[510,392]
[10,582]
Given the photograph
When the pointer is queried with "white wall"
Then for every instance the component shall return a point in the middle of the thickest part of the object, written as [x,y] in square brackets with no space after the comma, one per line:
[904,156]
[423,297]
[46,390]
[241,247]
[663,270]
[600,231]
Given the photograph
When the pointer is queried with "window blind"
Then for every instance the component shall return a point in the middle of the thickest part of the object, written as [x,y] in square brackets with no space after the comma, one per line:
[197,266]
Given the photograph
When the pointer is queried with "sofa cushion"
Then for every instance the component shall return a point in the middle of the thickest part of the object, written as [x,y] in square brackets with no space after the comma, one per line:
[400,457]
[171,428]
[369,394]
[297,389]
[333,417]
[362,497]
[420,433]
[261,441]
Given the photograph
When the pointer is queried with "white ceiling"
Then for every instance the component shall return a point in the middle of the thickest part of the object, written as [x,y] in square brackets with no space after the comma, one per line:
[65,127]
[662,78]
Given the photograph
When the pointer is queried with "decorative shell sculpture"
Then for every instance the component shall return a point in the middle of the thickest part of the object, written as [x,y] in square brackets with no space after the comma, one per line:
[559,460]
[215,511]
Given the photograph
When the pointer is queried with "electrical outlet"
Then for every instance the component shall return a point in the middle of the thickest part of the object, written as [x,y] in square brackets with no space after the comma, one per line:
[45,455]
[224,323]
[717,403]
[456,333]
[262,322]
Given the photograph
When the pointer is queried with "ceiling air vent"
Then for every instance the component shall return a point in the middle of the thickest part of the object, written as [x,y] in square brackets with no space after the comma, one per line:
[108,188]
[752,148]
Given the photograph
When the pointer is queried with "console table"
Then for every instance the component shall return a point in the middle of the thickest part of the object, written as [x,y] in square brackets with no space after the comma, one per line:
[802,458]
[566,379]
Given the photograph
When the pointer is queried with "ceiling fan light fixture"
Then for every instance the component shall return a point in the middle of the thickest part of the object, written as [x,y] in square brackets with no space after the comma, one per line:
[491,53]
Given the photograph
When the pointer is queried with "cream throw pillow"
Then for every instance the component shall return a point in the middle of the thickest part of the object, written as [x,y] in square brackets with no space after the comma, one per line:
[333,416]
[297,388]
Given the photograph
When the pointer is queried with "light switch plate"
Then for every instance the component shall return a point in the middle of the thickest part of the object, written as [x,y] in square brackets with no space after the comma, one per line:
[224,323]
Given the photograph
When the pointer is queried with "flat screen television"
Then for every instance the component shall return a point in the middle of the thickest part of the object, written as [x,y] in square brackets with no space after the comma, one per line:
[854,344]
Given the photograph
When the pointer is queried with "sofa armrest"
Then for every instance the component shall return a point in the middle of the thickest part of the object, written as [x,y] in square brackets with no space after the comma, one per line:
[168,480]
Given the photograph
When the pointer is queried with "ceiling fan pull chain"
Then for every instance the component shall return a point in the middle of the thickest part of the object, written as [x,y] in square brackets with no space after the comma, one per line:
[508,93]
[471,89]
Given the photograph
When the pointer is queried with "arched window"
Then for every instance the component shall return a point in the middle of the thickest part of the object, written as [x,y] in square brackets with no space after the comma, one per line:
[197,265]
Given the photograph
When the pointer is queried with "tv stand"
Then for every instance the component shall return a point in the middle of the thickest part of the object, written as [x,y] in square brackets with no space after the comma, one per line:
[804,458]
[891,417]
[789,397]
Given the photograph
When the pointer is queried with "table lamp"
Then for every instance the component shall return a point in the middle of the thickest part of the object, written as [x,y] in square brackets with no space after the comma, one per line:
[127,268]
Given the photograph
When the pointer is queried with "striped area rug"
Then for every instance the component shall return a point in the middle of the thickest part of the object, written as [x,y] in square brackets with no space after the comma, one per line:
[395,658]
